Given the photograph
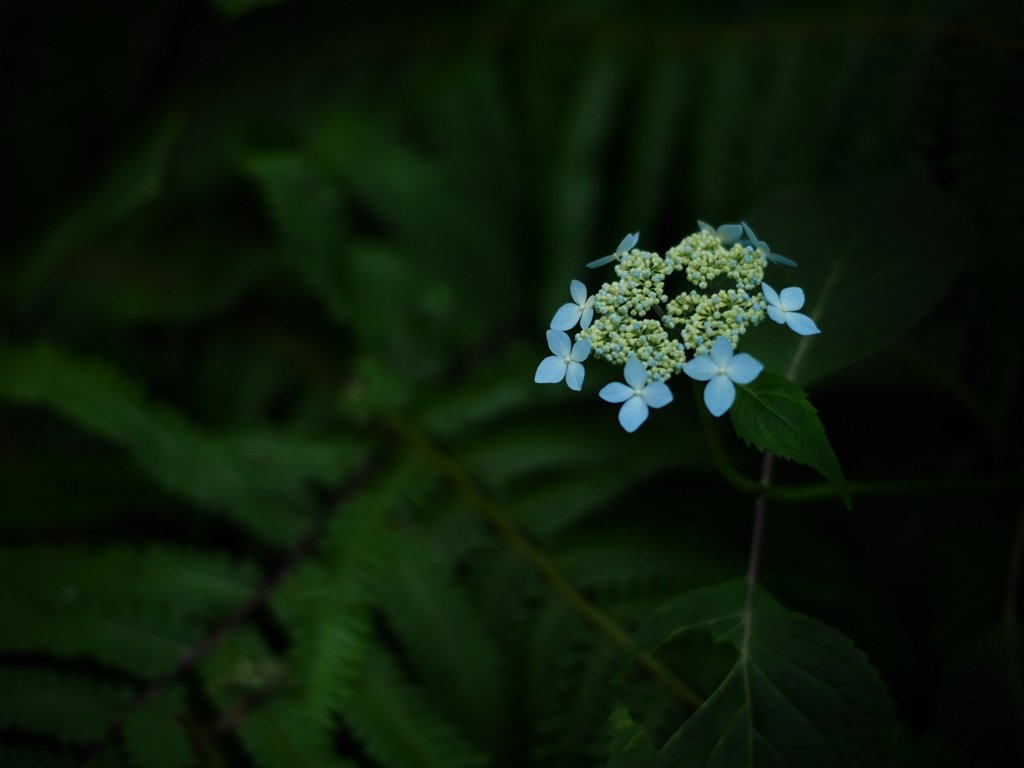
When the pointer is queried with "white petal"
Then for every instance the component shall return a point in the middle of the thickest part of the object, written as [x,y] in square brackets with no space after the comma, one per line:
[777,259]
[635,373]
[776,314]
[550,371]
[791,299]
[602,261]
[719,394]
[743,369]
[627,243]
[657,394]
[729,233]
[771,296]
[580,351]
[578,291]
[721,352]
[616,392]
[574,375]
[701,368]
[632,414]
[558,343]
[802,324]
[587,318]
[565,318]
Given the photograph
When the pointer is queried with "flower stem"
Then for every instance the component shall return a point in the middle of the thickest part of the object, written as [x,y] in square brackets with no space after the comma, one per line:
[732,475]
[560,584]
[767,464]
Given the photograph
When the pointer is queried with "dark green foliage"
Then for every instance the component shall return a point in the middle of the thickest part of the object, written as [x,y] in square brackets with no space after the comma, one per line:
[277,488]
[773,414]
[800,694]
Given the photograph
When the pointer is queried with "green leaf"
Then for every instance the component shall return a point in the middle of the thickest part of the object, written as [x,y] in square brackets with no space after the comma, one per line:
[773,414]
[875,258]
[800,695]
[629,747]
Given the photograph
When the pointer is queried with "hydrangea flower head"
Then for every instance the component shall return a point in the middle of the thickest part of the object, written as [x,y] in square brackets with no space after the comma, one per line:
[581,312]
[720,369]
[761,245]
[564,363]
[625,246]
[637,397]
[782,309]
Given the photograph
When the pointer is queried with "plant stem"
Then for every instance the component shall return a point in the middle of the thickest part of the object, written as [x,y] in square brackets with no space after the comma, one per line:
[767,464]
[540,561]
[732,475]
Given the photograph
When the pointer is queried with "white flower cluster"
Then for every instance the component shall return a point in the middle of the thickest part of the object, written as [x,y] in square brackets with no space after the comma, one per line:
[633,322]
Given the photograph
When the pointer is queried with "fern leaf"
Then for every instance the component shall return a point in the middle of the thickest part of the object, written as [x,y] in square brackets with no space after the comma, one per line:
[188,582]
[272,722]
[398,727]
[327,606]
[214,472]
[306,208]
[145,642]
[71,708]
[153,736]
[453,654]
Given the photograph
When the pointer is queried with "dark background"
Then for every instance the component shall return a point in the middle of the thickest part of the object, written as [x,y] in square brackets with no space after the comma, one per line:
[279,222]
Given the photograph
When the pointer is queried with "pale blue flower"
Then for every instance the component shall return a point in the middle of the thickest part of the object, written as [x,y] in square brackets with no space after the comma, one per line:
[637,397]
[720,369]
[782,309]
[581,312]
[627,244]
[772,257]
[564,363]
[727,233]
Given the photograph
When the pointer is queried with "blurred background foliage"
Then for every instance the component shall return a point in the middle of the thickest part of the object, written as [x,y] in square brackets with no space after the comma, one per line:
[274,282]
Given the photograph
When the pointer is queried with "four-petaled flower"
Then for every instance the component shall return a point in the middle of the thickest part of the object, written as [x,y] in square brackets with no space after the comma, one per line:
[564,363]
[727,234]
[637,397]
[627,244]
[720,369]
[782,309]
[772,257]
[581,312]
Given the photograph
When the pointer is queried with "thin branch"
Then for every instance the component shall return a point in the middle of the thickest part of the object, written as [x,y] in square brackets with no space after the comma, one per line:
[541,562]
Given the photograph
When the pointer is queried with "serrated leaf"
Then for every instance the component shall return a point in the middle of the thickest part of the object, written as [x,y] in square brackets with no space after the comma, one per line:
[774,415]
[875,258]
[800,695]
